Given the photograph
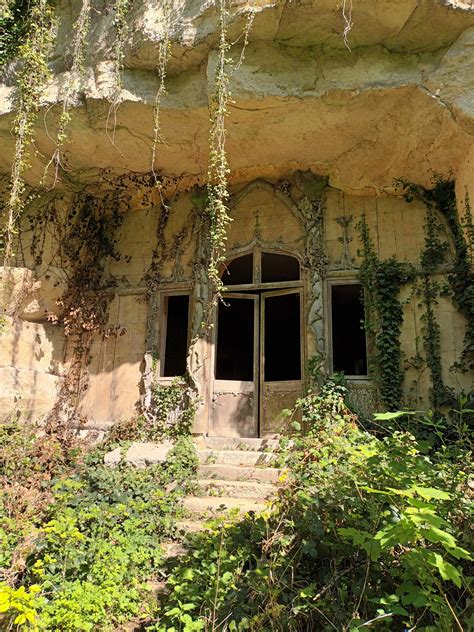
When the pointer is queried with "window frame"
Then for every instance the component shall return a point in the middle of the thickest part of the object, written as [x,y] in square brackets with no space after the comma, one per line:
[163,316]
[330,282]
[257,270]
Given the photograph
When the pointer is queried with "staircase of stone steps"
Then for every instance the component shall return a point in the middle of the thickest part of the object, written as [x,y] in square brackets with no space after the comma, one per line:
[233,473]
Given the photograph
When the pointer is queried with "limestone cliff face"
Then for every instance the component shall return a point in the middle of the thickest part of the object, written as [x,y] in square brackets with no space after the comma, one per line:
[399,103]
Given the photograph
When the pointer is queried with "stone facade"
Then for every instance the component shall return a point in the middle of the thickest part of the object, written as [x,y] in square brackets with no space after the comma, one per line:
[317,134]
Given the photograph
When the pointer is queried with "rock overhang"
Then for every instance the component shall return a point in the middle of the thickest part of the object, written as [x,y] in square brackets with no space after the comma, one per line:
[400,103]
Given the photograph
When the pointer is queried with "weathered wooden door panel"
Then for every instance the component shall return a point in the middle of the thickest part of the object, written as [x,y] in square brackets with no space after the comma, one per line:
[277,397]
[234,406]
[281,357]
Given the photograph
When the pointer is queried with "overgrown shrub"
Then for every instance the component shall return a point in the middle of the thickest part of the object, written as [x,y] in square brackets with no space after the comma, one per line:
[365,532]
[88,552]
[169,414]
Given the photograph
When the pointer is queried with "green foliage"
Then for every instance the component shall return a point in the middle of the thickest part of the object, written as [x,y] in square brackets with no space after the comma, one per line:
[18,607]
[164,53]
[15,25]
[440,394]
[173,408]
[121,10]
[451,434]
[382,281]
[441,213]
[170,414]
[32,76]
[75,58]
[325,407]
[87,554]
[218,168]
[85,239]
[363,530]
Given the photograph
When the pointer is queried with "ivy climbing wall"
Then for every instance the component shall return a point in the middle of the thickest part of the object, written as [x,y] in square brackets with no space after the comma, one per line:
[155,253]
[140,129]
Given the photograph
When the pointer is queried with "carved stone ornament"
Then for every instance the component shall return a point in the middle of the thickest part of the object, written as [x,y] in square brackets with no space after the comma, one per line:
[346,262]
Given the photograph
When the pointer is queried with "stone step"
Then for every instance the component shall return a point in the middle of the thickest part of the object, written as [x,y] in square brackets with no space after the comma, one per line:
[235,457]
[236,443]
[212,504]
[190,526]
[239,473]
[237,489]
[173,549]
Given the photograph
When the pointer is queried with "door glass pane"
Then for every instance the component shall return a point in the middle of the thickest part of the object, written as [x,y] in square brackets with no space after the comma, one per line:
[282,338]
[239,271]
[235,340]
[279,268]
[176,344]
[349,349]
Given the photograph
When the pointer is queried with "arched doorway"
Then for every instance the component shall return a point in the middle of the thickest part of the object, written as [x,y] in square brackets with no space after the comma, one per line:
[258,352]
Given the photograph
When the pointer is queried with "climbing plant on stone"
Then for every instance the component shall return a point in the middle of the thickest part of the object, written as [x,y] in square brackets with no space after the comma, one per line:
[32,77]
[121,9]
[80,30]
[382,281]
[164,53]
[441,212]
[218,167]
[84,237]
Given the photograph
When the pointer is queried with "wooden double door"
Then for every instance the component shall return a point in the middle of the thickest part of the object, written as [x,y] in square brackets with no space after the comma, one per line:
[257,362]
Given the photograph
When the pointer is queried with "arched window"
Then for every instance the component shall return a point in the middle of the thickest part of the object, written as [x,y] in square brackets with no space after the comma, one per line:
[277,268]
[239,271]
[261,267]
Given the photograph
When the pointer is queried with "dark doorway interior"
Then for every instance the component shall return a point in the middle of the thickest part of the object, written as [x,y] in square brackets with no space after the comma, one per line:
[235,340]
[282,335]
[349,348]
[176,344]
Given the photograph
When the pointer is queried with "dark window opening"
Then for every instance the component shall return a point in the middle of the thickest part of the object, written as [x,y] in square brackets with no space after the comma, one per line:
[239,271]
[176,343]
[349,348]
[279,268]
[235,340]
[282,338]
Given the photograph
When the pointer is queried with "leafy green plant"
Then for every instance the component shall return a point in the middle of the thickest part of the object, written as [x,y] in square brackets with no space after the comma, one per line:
[18,607]
[442,214]
[87,555]
[364,532]
[382,281]
[36,29]
[169,414]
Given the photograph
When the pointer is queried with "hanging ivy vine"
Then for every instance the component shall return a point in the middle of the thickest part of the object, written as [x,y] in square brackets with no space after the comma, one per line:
[32,77]
[75,54]
[121,9]
[218,167]
[164,53]
[84,238]
[382,282]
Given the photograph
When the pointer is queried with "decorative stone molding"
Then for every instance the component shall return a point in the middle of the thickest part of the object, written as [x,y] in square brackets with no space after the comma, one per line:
[346,262]
[363,398]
